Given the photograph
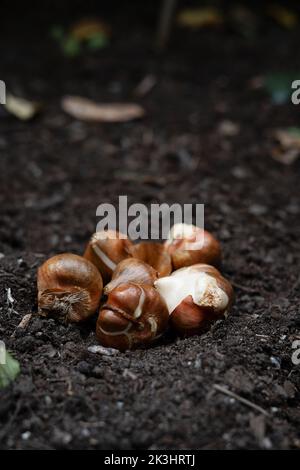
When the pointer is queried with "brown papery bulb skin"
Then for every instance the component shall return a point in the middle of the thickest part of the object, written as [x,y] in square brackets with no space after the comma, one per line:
[185,249]
[131,270]
[196,296]
[106,249]
[189,319]
[154,254]
[69,288]
[134,315]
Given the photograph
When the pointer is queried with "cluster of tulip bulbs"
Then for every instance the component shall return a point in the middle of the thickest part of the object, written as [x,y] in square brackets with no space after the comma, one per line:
[138,290]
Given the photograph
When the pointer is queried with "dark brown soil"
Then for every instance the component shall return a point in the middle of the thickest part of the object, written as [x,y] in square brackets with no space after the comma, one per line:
[56,171]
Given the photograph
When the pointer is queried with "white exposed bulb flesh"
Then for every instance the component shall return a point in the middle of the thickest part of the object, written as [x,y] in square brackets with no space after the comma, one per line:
[190,281]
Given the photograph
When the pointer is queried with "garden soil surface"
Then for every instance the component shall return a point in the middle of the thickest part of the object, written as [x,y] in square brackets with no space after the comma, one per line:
[55,171]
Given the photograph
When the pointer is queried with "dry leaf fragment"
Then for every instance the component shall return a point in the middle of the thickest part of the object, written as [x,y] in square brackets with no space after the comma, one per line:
[145,86]
[25,321]
[21,108]
[288,138]
[89,27]
[87,110]
[228,128]
[283,16]
[199,17]
[288,149]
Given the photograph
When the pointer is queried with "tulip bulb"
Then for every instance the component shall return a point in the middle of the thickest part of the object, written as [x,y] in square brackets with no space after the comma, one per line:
[131,270]
[106,249]
[154,254]
[189,244]
[69,288]
[134,315]
[195,296]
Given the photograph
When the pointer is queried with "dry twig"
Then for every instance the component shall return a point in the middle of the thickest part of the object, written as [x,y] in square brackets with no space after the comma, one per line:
[241,399]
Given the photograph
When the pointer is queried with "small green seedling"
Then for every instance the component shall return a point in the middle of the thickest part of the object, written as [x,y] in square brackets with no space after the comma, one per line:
[9,367]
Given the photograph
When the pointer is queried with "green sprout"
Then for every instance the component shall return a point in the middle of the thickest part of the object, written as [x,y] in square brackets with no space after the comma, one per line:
[9,370]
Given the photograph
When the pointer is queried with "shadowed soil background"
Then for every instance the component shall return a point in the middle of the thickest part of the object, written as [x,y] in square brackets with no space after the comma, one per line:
[55,171]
